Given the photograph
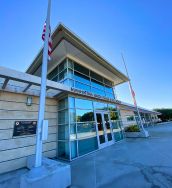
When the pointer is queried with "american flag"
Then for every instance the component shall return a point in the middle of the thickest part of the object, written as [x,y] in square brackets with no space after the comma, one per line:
[49,41]
[133,94]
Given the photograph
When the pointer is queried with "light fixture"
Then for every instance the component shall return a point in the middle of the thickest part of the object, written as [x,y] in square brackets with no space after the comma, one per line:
[29,101]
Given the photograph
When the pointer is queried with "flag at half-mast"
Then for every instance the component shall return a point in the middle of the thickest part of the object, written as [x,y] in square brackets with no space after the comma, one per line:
[49,40]
[133,94]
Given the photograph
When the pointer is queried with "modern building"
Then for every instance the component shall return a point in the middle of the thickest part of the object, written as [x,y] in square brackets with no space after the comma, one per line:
[81,107]
[129,115]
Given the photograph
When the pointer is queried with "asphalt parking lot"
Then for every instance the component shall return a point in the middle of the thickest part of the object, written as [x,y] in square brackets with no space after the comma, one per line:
[132,163]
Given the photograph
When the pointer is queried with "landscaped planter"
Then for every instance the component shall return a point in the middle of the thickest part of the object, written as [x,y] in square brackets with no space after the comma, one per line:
[135,134]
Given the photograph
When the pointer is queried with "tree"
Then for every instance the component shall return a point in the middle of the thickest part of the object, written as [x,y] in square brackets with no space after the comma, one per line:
[166,114]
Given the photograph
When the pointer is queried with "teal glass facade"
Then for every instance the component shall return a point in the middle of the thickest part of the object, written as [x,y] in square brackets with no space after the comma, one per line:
[79,130]
[77,133]
[75,75]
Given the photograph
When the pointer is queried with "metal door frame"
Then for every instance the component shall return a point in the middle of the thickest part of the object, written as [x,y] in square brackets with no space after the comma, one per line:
[107,143]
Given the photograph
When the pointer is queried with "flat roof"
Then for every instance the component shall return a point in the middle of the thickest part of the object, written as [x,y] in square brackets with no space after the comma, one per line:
[63,33]
[128,106]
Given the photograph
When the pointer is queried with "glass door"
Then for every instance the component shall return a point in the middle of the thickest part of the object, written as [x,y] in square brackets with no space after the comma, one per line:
[101,130]
[104,130]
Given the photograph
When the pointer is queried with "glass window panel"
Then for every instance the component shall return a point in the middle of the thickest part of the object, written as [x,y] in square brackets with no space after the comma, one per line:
[114,116]
[63,132]
[87,145]
[72,131]
[112,107]
[81,69]
[84,115]
[85,130]
[97,84]
[63,103]
[108,128]
[118,136]
[81,78]
[108,89]
[52,73]
[82,86]
[117,130]
[130,118]
[109,83]
[98,91]
[63,117]
[63,75]
[71,102]
[73,149]
[82,103]
[110,95]
[55,79]
[96,76]
[70,73]
[100,106]
[72,115]
[63,150]
[63,65]
[70,64]
[68,82]
[101,131]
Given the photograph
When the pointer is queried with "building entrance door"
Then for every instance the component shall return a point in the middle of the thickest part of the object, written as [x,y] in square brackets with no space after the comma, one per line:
[104,130]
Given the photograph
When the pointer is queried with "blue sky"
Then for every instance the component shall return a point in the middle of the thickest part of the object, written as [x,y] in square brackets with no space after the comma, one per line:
[141,29]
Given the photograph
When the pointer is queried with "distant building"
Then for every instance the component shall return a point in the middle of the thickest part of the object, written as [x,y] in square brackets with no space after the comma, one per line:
[129,115]
[81,107]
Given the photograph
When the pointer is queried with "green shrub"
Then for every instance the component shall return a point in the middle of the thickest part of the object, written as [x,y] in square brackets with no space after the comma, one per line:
[132,128]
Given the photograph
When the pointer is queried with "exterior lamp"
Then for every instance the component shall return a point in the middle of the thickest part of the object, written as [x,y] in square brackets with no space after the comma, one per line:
[29,101]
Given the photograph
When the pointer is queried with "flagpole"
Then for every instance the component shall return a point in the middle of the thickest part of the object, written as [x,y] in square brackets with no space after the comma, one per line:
[38,159]
[135,103]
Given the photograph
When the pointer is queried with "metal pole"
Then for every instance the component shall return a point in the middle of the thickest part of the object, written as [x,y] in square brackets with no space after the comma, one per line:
[137,109]
[38,160]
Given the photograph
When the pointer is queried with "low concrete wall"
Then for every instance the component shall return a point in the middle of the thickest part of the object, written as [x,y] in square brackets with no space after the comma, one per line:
[15,150]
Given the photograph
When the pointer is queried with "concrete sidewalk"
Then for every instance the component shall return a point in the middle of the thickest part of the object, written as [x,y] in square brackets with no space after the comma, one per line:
[133,163]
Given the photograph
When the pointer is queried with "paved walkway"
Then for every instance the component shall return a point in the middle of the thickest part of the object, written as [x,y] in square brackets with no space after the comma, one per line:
[132,163]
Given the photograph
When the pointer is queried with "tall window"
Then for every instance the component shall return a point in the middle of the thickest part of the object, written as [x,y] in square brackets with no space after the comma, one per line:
[75,75]
[77,126]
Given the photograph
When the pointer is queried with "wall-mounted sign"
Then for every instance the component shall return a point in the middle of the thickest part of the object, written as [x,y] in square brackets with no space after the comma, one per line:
[22,128]
[86,93]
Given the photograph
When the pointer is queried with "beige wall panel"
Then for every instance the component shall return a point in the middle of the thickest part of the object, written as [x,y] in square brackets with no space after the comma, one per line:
[50,154]
[23,142]
[14,151]
[22,106]
[16,97]
[20,163]
[9,124]
[5,114]
[8,134]
[26,151]
[12,165]
[126,113]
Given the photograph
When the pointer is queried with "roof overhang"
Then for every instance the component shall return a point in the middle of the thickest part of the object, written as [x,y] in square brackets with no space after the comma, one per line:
[66,43]
[19,82]
[130,107]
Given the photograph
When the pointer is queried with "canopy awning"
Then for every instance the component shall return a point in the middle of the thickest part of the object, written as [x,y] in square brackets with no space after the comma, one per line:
[19,82]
